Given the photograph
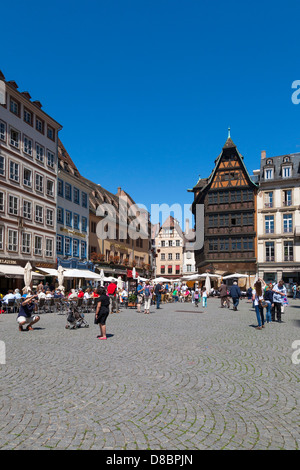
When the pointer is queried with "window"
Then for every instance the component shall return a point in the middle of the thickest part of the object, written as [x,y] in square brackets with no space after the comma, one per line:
[162,270]
[27,116]
[76,221]
[38,245]
[93,227]
[68,246]
[188,268]
[39,125]
[177,242]
[269,199]
[177,256]
[248,218]
[286,171]
[50,133]
[236,219]
[13,205]
[39,214]
[84,224]
[60,188]
[213,244]
[1,238]
[26,243]
[50,188]
[68,191]
[162,256]
[1,201]
[12,240]
[27,179]
[27,210]
[15,107]
[49,247]
[14,171]
[76,196]
[170,269]
[83,250]
[224,244]
[270,256]
[14,138]
[49,217]
[269,224]
[75,248]
[69,218]
[169,256]
[163,243]
[2,130]
[247,195]
[50,159]
[60,215]
[287,223]
[177,269]
[288,250]
[269,174]
[287,197]
[84,199]
[39,182]
[40,152]
[236,244]
[2,166]
[248,244]
[59,244]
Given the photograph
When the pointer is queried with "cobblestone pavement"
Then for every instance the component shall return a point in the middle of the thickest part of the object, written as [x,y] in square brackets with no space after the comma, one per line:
[180,378]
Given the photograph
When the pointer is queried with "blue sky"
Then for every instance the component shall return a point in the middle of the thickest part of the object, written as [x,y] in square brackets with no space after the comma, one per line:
[145,90]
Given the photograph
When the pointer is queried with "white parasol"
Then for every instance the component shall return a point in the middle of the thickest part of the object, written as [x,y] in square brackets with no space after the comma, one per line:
[27,277]
[60,278]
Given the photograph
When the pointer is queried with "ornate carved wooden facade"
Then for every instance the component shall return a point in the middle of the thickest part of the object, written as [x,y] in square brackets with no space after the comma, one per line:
[229,198]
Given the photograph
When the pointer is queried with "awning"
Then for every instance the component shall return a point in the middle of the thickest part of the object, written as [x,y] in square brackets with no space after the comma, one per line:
[15,271]
[72,273]
[49,271]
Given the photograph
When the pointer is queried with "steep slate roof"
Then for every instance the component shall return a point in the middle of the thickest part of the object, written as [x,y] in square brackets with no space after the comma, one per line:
[65,160]
[277,162]
[203,184]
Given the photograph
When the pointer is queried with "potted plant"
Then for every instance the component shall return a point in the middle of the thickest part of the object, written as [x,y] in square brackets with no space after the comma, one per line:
[131,300]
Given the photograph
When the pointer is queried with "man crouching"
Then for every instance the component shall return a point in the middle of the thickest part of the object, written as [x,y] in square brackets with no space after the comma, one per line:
[26,315]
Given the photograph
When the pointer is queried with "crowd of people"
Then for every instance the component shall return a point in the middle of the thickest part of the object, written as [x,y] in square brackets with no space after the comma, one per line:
[268,300]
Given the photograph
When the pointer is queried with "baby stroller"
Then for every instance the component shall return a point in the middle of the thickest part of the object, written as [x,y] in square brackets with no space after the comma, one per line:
[75,319]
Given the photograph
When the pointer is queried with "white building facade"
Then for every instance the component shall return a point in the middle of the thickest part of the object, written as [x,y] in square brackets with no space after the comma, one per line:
[278,218]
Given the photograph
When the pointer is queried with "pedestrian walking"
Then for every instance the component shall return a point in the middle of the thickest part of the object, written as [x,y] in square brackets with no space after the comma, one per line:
[197,297]
[235,294]
[139,294]
[111,291]
[224,295]
[204,297]
[102,311]
[158,290]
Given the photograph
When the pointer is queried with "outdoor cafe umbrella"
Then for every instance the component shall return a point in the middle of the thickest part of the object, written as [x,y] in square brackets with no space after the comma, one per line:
[207,277]
[27,277]
[236,275]
[101,277]
[60,278]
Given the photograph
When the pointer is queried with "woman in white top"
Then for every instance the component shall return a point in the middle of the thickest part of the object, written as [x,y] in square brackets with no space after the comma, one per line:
[258,299]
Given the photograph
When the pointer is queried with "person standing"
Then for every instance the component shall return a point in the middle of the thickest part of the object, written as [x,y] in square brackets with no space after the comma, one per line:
[139,294]
[268,297]
[235,294]
[111,291]
[258,298]
[102,311]
[147,295]
[158,290]
[279,291]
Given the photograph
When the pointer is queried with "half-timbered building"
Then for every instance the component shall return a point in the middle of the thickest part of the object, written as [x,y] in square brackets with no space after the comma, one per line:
[229,199]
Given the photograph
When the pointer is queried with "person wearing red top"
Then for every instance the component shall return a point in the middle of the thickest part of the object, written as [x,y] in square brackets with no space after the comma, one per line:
[80,294]
[111,292]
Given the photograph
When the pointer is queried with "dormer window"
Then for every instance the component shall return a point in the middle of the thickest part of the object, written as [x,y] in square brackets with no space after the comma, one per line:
[286,171]
[286,159]
[269,161]
[269,174]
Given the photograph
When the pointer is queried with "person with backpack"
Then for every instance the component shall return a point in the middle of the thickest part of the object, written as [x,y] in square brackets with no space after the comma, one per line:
[147,295]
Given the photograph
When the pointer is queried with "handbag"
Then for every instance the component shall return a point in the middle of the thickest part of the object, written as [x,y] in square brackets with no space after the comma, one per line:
[263,303]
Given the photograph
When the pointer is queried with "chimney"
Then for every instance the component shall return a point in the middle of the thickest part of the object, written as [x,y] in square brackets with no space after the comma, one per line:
[263,154]
[187,226]
[119,190]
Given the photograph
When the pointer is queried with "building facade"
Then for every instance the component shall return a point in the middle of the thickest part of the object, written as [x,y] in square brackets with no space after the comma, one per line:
[72,237]
[169,243]
[112,245]
[28,175]
[278,218]
[228,196]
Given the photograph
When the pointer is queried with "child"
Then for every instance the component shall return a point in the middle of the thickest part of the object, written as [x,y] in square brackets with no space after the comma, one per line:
[204,297]
[196,297]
